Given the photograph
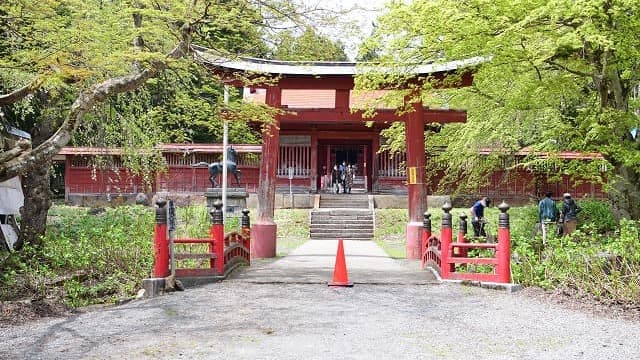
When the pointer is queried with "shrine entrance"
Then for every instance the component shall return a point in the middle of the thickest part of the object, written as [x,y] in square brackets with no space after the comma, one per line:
[335,127]
[354,153]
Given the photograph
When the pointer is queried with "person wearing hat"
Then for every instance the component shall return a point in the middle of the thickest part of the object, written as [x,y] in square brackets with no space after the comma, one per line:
[547,214]
[477,216]
[569,214]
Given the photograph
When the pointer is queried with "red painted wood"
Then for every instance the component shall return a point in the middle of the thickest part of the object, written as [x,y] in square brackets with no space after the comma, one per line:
[503,254]
[474,245]
[342,99]
[161,251]
[317,82]
[264,230]
[340,115]
[446,236]
[315,179]
[414,129]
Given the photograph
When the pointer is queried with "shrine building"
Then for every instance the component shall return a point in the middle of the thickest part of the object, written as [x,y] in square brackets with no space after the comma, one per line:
[321,124]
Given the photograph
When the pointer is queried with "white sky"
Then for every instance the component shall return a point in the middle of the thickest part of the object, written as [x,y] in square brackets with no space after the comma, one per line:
[362,14]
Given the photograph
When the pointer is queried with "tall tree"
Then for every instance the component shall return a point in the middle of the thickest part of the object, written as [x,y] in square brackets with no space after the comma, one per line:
[309,46]
[557,75]
[76,54]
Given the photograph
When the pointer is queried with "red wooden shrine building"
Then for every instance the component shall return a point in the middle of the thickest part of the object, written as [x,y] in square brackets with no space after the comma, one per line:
[318,128]
[331,131]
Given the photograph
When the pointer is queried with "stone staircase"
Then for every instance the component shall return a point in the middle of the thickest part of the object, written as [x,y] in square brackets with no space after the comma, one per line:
[342,216]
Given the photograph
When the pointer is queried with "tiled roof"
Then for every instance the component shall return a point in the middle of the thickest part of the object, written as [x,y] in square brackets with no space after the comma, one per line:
[168,148]
[319,68]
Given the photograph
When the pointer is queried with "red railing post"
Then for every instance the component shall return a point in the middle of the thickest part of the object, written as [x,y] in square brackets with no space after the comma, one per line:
[161,242]
[246,231]
[446,236]
[462,236]
[426,234]
[217,235]
[503,251]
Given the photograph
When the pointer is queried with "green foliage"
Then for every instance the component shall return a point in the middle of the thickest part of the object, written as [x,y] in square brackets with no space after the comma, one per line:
[555,77]
[390,229]
[600,259]
[95,258]
[309,46]
[585,264]
[599,214]
[89,259]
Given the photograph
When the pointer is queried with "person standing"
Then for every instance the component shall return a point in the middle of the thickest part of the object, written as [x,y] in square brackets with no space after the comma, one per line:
[348,181]
[343,176]
[569,214]
[335,178]
[477,216]
[547,214]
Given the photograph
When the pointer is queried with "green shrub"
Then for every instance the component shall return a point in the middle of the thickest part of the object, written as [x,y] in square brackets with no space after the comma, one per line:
[585,263]
[597,214]
[94,258]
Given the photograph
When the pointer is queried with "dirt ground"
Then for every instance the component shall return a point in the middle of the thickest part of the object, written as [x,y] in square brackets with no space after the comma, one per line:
[14,313]
[241,320]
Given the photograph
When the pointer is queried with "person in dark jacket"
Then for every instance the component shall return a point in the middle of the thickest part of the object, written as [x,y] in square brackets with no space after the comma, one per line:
[547,214]
[477,216]
[335,179]
[569,214]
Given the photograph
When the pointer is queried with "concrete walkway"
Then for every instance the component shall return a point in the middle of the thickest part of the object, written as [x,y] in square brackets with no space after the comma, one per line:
[313,263]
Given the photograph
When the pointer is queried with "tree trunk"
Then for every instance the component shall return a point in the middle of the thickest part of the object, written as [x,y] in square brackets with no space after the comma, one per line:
[37,194]
[37,201]
[625,194]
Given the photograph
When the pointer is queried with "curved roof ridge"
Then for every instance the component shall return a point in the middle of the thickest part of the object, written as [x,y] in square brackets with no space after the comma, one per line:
[325,67]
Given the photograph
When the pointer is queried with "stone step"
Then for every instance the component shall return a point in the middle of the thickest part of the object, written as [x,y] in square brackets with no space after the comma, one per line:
[341,219]
[341,211]
[363,225]
[345,216]
[345,200]
[344,206]
[335,238]
[331,221]
[351,196]
[341,236]
[341,229]
[345,234]
[354,203]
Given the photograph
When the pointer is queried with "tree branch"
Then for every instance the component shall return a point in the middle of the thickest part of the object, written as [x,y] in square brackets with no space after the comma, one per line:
[19,94]
[86,100]
[569,70]
[18,149]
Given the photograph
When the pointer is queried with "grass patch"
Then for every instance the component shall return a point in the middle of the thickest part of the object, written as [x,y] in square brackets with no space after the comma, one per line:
[293,229]
[389,232]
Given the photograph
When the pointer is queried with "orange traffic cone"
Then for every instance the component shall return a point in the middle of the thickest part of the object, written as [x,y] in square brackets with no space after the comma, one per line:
[340,276]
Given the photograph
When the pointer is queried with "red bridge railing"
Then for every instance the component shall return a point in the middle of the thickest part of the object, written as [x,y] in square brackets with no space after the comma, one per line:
[222,254]
[452,260]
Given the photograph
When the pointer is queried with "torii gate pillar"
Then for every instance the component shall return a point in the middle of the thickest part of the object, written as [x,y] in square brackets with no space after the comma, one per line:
[263,232]
[414,128]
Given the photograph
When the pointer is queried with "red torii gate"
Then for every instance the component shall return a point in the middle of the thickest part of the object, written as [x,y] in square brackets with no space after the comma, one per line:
[338,76]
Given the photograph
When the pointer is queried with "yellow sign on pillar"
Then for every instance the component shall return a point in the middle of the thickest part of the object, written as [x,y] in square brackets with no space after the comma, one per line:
[413,175]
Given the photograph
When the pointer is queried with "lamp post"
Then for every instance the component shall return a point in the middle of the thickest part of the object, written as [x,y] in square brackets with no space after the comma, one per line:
[225,144]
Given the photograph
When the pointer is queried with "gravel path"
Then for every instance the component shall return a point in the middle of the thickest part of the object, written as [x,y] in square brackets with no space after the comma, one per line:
[244,319]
